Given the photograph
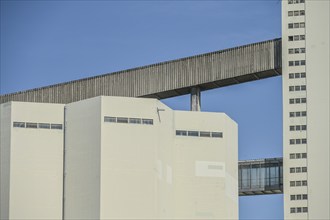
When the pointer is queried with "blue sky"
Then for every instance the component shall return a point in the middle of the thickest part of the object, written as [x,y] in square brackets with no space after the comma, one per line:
[48,42]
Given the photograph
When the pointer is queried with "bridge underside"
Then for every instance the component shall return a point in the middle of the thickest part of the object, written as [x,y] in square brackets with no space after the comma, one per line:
[260,177]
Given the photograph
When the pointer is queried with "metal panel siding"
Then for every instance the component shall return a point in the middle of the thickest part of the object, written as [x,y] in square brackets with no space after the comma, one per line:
[160,80]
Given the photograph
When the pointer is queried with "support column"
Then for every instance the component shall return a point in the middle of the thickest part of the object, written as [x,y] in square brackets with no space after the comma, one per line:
[195,99]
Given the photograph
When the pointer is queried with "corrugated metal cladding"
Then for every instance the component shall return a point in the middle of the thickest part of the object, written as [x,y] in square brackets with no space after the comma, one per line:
[168,79]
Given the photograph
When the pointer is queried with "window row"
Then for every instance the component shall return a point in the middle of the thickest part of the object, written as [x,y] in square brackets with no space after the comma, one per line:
[297,100]
[298,127]
[125,120]
[297,50]
[295,1]
[17,124]
[296,37]
[298,156]
[298,170]
[298,141]
[298,183]
[297,88]
[296,25]
[297,63]
[299,197]
[299,210]
[298,114]
[297,75]
[296,13]
[199,133]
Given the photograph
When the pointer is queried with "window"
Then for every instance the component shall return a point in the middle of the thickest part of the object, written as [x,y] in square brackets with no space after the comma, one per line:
[296,50]
[290,25]
[303,88]
[291,128]
[291,51]
[19,124]
[291,101]
[305,209]
[297,75]
[292,183]
[303,114]
[297,88]
[122,120]
[31,125]
[304,182]
[110,119]
[304,127]
[302,50]
[193,133]
[291,88]
[205,134]
[291,63]
[56,126]
[292,156]
[296,37]
[303,100]
[298,197]
[298,183]
[291,114]
[290,13]
[44,125]
[293,197]
[304,169]
[298,169]
[217,134]
[304,141]
[298,156]
[134,120]
[302,62]
[292,210]
[303,75]
[290,38]
[296,25]
[297,114]
[302,12]
[292,141]
[296,13]
[304,155]
[291,76]
[302,37]
[304,196]
[297,63]
[299,210]
[298,141]
[297,101]
[181,133]
[147,121]
[292,170]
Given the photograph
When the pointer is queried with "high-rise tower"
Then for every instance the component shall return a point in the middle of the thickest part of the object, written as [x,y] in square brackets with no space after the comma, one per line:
[305,63]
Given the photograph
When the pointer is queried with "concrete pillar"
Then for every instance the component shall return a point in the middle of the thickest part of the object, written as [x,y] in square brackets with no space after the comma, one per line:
[195,99]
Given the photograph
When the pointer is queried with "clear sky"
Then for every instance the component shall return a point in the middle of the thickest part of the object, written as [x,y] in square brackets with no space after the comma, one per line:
[48,42]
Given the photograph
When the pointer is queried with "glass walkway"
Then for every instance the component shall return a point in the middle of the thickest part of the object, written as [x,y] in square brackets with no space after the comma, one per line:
[260,177]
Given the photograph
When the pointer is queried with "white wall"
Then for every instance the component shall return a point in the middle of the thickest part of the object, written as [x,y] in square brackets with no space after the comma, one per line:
[35,162]
[133,170]
[318,95]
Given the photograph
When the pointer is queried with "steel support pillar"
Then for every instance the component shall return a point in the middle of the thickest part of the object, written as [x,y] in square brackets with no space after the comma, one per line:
[195,99]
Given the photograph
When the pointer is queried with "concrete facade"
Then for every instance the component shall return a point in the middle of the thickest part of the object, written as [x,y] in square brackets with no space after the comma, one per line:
[127,169]
[306,117]
[31,161]
[123,158]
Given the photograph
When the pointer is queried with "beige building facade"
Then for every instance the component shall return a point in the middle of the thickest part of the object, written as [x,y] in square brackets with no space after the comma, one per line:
[306,95]
[117,158]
